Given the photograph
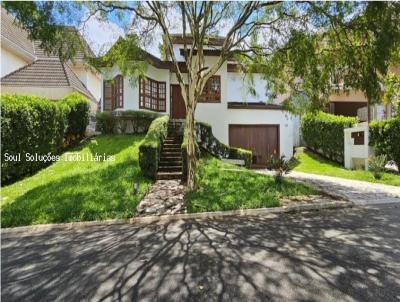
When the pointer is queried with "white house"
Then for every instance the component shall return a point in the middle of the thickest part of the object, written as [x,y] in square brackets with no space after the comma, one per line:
[27,69]
[237,117]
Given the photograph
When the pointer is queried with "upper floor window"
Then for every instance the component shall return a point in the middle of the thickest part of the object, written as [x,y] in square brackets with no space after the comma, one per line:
[212,90]
[152,95]
[113,93]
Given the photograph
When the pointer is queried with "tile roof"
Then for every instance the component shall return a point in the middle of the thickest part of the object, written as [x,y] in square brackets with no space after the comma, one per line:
[46,72]
[12,32]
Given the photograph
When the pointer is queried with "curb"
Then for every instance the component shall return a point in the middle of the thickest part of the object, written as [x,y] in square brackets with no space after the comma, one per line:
[170,218]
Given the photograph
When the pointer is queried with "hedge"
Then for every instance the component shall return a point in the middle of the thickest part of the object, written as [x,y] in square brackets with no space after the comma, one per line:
[29,125]
[385,137]
[323,133]
[208,142]
[78,115]
[150,148]
[129,121]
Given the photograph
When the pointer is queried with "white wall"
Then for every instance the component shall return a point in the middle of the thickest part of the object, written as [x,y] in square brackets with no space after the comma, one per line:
[10,62]
[239,84]
[90,79]
[131,87]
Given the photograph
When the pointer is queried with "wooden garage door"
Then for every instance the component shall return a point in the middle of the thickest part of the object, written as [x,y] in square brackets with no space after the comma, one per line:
[263,140]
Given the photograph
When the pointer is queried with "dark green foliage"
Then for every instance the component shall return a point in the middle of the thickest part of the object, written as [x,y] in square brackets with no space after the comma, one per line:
[29,125]
[129,121]
[78,115]
[385,137]
[324,134]
[150,149]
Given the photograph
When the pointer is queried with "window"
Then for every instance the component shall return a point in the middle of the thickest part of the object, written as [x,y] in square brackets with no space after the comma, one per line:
[118,92]
[152,95]
[113,93]
[212,91]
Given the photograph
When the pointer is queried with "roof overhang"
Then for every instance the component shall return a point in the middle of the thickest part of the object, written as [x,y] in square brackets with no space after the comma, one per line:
[16,49]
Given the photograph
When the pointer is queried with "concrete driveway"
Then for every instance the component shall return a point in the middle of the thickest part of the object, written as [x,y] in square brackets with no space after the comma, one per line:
[342,255]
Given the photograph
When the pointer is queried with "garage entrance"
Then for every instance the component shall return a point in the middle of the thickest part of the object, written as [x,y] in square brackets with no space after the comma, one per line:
[263,140]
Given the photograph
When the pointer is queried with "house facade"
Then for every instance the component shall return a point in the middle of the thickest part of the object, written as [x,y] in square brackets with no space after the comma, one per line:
[238,118]
[27,69]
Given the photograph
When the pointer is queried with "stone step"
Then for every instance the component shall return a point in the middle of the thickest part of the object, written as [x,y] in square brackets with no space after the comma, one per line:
[171,149]
[171,153]
[169,168]
[174,146]
[169,175]
[170,163]
[170,158]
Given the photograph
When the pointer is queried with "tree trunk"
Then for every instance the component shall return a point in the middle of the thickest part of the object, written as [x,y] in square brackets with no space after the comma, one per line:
[191,149]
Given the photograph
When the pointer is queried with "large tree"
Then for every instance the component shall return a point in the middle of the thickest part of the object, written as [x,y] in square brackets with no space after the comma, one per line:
[287,41]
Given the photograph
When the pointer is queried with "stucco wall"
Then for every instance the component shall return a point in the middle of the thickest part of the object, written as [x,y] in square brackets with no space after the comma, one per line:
[10,62]
[90,79]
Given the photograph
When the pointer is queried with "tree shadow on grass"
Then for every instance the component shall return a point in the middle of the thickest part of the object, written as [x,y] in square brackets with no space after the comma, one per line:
[94,195]
[346,255]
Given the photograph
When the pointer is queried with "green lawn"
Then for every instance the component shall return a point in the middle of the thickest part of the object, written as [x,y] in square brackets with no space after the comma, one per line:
[79,190]
[221,188]
[309,162]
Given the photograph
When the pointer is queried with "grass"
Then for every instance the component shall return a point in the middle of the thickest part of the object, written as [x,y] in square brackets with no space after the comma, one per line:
[70,191]
[225,187]
[309,162]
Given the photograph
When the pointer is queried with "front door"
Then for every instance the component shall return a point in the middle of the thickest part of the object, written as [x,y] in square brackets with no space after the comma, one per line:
[178,109]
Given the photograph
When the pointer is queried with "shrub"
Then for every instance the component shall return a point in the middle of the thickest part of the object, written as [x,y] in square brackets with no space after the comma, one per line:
[377,165]
[323,133]
[150,148]
[128,121]
[385,137]
[105,122]
[281,167]
[78,115]
[29,126]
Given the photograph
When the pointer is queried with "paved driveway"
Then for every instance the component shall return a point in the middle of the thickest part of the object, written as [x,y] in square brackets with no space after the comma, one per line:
[359,192]
[344,255]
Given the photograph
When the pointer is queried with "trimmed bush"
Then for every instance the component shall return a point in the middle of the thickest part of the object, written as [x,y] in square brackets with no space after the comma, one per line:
[208,142]
[29,126]
[78,115]
[150,148]
[129,121]
[105,122]
[323,133]
[385,137]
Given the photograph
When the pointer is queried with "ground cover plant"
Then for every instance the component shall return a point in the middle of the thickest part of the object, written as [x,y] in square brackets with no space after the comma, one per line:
[225,187]
[79,190]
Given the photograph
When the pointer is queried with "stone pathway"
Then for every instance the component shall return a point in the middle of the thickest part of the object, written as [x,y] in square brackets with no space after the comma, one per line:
[165,197]
[359,192]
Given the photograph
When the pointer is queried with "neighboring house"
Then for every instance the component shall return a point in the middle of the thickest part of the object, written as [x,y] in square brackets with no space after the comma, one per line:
[237,117]
[354,103]
[27,69]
